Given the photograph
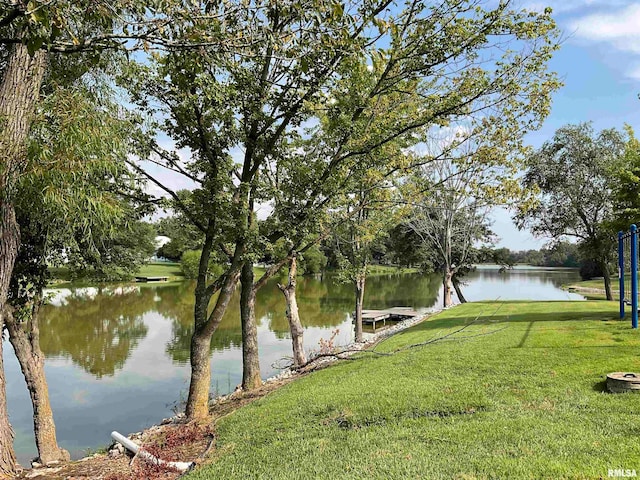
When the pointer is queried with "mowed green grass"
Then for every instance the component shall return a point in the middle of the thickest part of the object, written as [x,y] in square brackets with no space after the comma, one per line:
[374,270]
[61,276]
[596,283]
[525,401]
[161,269]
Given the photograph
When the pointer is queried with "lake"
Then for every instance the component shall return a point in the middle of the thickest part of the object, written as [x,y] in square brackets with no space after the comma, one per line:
[118,356]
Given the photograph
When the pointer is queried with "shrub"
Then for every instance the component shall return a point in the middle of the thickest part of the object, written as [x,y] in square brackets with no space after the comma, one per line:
[190,262]
[313,261]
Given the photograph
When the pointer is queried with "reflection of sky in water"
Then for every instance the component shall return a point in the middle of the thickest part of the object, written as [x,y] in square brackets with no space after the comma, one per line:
[150,379]
[519,284]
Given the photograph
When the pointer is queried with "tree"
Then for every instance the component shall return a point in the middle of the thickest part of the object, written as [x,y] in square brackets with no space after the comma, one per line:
[293,317]
[450,214]
[574,174]
[115,253]
[18,94]
[499,256]
[626,185]
[562,254]
[533,257]
[64,203]
[373,76]
[404,247]
[283,252]
[31,35]
[367,212]
[313,261]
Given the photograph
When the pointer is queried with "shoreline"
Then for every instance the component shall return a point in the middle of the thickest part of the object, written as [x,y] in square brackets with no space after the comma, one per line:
[115,461]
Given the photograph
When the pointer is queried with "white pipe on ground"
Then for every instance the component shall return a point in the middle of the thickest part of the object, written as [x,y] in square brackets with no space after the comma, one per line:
[129,445]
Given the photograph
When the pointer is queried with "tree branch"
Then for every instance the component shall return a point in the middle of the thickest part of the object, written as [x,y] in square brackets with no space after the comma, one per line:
[199,225]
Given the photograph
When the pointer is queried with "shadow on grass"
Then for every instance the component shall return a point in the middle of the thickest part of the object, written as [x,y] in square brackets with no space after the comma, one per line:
[600,387]
[526,335]
[492,313]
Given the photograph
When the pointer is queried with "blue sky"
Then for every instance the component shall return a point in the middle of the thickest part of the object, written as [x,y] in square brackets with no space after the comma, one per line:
[599,63]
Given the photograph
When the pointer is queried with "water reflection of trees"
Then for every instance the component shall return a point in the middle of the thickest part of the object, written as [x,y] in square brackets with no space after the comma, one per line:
[325,303]
[531,275]
[383,291]
[98,333]
[270,305]
[314,310]
[322,303]
[177,303]
[412,290]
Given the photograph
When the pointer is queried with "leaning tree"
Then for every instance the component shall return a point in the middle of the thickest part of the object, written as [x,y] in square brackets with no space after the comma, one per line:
[32,35]
[70,210]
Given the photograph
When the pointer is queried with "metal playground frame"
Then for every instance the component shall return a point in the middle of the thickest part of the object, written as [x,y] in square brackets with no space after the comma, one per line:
[628,272]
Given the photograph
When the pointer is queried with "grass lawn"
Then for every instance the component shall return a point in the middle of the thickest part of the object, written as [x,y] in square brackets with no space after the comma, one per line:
[595,283]
[526,401]
[389,269]
[161,269]
[594,289]
[599,284]
[62,276]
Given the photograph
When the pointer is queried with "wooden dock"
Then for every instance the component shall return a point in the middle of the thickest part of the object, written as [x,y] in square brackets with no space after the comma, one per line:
[152,279]
[392,314]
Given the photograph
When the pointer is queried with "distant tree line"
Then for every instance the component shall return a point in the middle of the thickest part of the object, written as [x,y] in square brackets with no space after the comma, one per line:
[562,254]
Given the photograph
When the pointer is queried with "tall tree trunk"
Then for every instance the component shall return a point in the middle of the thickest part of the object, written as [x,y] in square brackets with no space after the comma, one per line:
[9,242]
[446,287]
[197,407]
[359,286]
[250,359]
[456,286]
[604,266]
[293,317]
[19,93]
[7,455]
[27,348]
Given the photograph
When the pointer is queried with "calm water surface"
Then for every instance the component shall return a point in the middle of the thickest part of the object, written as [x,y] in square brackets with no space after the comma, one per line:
[118,357]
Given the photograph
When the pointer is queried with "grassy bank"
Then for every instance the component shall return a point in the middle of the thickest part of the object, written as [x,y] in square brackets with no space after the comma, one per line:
[522,400]
[389,270]
[595,284]
[594,289]
[161,269]
[172,270]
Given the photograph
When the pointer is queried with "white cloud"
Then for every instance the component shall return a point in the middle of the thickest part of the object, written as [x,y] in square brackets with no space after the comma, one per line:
[620,28]
[617,29]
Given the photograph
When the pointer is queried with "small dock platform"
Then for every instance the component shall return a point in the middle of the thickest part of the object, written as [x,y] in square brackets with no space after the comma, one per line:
[152,279]
[392,314]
